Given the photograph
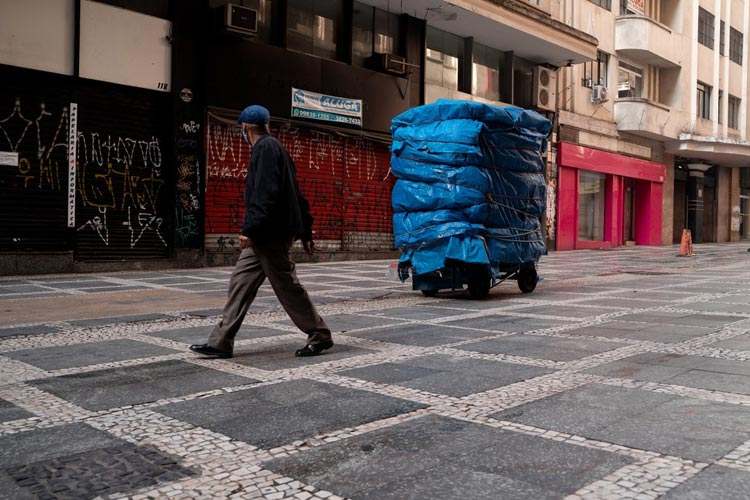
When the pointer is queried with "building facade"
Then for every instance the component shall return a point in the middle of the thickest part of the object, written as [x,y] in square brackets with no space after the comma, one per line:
[119,146]
[653,134]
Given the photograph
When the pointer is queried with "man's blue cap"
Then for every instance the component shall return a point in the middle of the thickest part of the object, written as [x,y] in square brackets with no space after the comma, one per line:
[255,115]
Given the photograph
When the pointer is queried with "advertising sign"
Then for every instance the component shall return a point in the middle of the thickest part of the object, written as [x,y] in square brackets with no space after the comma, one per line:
[328,108]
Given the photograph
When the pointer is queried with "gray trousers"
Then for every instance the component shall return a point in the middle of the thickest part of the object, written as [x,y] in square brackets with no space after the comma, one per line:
[273,261]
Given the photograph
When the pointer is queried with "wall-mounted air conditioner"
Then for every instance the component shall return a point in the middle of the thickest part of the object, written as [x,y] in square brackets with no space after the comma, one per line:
[390,63]
[241,20]
[599,94]
[544,88]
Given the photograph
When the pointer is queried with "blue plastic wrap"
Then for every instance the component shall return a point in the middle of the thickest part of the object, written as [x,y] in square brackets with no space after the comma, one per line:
[470,187]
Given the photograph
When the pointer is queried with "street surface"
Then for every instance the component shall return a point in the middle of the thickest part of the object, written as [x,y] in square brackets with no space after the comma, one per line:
[626,374]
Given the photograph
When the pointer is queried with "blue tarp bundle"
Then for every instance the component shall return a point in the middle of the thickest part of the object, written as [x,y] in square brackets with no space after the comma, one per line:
[470,186]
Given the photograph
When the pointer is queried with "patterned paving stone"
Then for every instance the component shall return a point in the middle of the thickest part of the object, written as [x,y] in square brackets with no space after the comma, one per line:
[421,313]
[440,458]
[682,427]
[111,388]
[93,353]
[569,311]
[642,331]
[681,318]
[739,343]
[279,414]
[199,334]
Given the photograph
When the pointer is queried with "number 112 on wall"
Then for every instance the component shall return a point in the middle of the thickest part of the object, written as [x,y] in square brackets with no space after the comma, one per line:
[162,86]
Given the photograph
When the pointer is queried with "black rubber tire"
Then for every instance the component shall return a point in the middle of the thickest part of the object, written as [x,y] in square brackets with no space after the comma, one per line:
[430,293]
[478,282]
[527,279]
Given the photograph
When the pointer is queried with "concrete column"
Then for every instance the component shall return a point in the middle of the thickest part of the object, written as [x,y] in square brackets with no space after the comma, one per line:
[667,214]
[695,200]
[734,204]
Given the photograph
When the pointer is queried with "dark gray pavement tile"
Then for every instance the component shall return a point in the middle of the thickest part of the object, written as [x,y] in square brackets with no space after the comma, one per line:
[674,425]
[713,483]
[717,307]
[93,353]
[20,288]
[204,313]
[508,323]
[659,295]
[739,343]
[136,318]
[112,388]
[53,442]
[569,311]
[278,414]
[624,303]
[9,412]
[555,349]
[424,312]
[691,371]
[440,458]
[281,356]
[345,322]
[642,331]
[449,375]
[27,330]
[419,335]
[97,473]
[199,334]
[681,318]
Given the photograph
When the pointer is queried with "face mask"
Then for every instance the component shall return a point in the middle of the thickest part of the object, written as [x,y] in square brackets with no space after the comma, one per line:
[244,136]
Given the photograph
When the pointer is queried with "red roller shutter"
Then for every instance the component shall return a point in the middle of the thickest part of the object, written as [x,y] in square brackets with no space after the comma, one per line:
[341,176]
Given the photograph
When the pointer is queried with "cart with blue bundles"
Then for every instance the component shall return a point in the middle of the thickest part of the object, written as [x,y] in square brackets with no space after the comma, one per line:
[469,195]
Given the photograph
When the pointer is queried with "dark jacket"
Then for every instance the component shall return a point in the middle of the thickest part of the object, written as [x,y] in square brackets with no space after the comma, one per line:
[274,206]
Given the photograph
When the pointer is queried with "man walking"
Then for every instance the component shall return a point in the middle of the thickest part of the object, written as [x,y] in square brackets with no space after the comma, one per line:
[276,214]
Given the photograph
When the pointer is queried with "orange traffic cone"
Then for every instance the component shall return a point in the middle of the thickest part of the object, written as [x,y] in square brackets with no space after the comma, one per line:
[686,245]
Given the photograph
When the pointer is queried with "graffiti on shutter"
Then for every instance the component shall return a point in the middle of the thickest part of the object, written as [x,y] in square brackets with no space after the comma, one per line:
[123,207]
[33,190]
[342,178]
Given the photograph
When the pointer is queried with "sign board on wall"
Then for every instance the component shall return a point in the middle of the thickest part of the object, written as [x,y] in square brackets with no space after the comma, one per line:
[327,108]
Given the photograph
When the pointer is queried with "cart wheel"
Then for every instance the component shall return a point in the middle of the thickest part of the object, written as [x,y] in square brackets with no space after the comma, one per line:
[478,282]
[429,293]
[527,279]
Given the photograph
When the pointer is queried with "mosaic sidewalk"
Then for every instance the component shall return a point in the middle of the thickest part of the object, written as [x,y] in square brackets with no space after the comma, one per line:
[626,374]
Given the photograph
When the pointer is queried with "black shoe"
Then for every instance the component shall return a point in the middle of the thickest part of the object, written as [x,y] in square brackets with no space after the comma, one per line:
[207,350]
[313,349]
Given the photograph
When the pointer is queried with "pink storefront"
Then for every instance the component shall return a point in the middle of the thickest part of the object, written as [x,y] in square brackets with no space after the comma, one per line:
[605,200]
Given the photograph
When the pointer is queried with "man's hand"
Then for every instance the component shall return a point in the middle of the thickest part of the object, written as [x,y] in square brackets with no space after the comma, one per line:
[245,242]
[309,247]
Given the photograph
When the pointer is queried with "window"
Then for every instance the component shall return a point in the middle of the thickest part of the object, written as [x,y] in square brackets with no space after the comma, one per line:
[706,28]
[373,31]
[595,72]
[722,45]
[605,4]
[704,101]
[312,26]
[485,72]
[629,80]
[735,46]
[443,56]
[591,203]
[734,112]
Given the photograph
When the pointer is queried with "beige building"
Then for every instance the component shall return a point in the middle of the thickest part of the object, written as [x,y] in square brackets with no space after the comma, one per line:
[667,101]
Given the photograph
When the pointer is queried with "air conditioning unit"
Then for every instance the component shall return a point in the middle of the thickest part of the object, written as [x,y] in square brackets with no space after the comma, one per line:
[599,94]
[390,63]
[544,88]
[241,20]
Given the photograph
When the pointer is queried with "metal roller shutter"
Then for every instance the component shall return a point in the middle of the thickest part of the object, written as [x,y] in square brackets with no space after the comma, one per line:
[341,176]
[34,124]
[125,199]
